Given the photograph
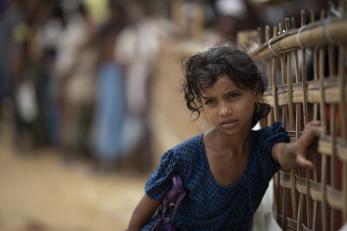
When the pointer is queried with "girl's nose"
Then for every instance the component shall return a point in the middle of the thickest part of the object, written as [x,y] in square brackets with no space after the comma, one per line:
[225,109]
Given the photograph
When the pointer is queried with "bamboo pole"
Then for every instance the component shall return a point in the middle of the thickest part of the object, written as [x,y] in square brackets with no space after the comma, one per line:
[313,34]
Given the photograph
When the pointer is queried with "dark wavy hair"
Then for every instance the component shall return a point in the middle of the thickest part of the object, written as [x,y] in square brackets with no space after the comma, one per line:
[203,70]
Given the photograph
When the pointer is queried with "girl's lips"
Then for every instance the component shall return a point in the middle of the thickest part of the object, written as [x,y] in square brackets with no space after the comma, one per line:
[229,123]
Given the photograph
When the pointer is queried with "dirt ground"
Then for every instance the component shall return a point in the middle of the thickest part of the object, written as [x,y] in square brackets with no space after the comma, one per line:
[39,192]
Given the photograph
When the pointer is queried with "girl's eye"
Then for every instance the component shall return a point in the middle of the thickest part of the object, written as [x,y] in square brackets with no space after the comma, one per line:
[209,101]
[233,95]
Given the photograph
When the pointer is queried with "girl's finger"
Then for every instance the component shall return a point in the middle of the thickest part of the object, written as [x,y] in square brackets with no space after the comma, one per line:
[308,127]
[304,162]
[314,122]
[308,137]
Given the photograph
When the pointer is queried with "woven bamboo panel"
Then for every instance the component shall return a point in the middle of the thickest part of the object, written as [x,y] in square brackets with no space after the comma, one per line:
[305,69]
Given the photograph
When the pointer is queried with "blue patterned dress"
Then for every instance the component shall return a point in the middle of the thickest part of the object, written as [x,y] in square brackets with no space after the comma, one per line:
[209,206]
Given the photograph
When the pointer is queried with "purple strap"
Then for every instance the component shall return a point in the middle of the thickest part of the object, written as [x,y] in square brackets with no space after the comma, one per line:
[173,198]
[178,202]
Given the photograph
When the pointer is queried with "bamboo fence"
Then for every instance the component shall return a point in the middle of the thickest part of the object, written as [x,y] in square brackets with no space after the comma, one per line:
[306,72]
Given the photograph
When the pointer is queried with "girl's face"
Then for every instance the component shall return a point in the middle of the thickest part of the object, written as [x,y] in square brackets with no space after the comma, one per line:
[228,108]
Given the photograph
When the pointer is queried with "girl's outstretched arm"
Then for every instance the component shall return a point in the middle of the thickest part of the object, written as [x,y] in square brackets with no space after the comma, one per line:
[291,155]
[142,213]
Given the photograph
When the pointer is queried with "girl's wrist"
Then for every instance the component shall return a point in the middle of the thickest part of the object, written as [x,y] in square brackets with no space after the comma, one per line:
[289,155]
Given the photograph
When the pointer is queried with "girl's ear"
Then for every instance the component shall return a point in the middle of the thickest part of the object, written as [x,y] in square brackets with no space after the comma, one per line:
[257,96]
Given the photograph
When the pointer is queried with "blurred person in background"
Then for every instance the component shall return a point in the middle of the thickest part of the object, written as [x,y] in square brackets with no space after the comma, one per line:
[223,19]
[110,98]
[230,15]
[273,12]
[30,76]
[137,49]
[10,15]
[50,36]
[74,71]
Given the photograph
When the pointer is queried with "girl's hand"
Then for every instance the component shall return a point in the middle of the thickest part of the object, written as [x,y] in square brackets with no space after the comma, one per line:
[306,142]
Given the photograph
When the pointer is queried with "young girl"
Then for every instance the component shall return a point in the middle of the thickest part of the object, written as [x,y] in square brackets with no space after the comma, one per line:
[226,169]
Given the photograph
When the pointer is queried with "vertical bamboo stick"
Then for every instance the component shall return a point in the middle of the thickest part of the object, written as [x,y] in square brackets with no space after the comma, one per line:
[309,217]
[273,79]
[342,109]
[291,120]
[315,116]
[297,130]
[324,131]
[269,72]
[332,73]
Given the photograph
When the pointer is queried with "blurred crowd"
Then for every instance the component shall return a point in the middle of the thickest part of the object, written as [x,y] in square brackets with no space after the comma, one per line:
[75,75]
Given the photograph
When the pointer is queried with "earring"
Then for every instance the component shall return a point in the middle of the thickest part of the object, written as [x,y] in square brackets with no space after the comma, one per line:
[261,110]
[257,109]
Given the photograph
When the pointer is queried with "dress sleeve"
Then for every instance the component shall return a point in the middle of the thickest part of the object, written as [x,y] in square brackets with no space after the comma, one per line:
[159,181]
[269,136]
